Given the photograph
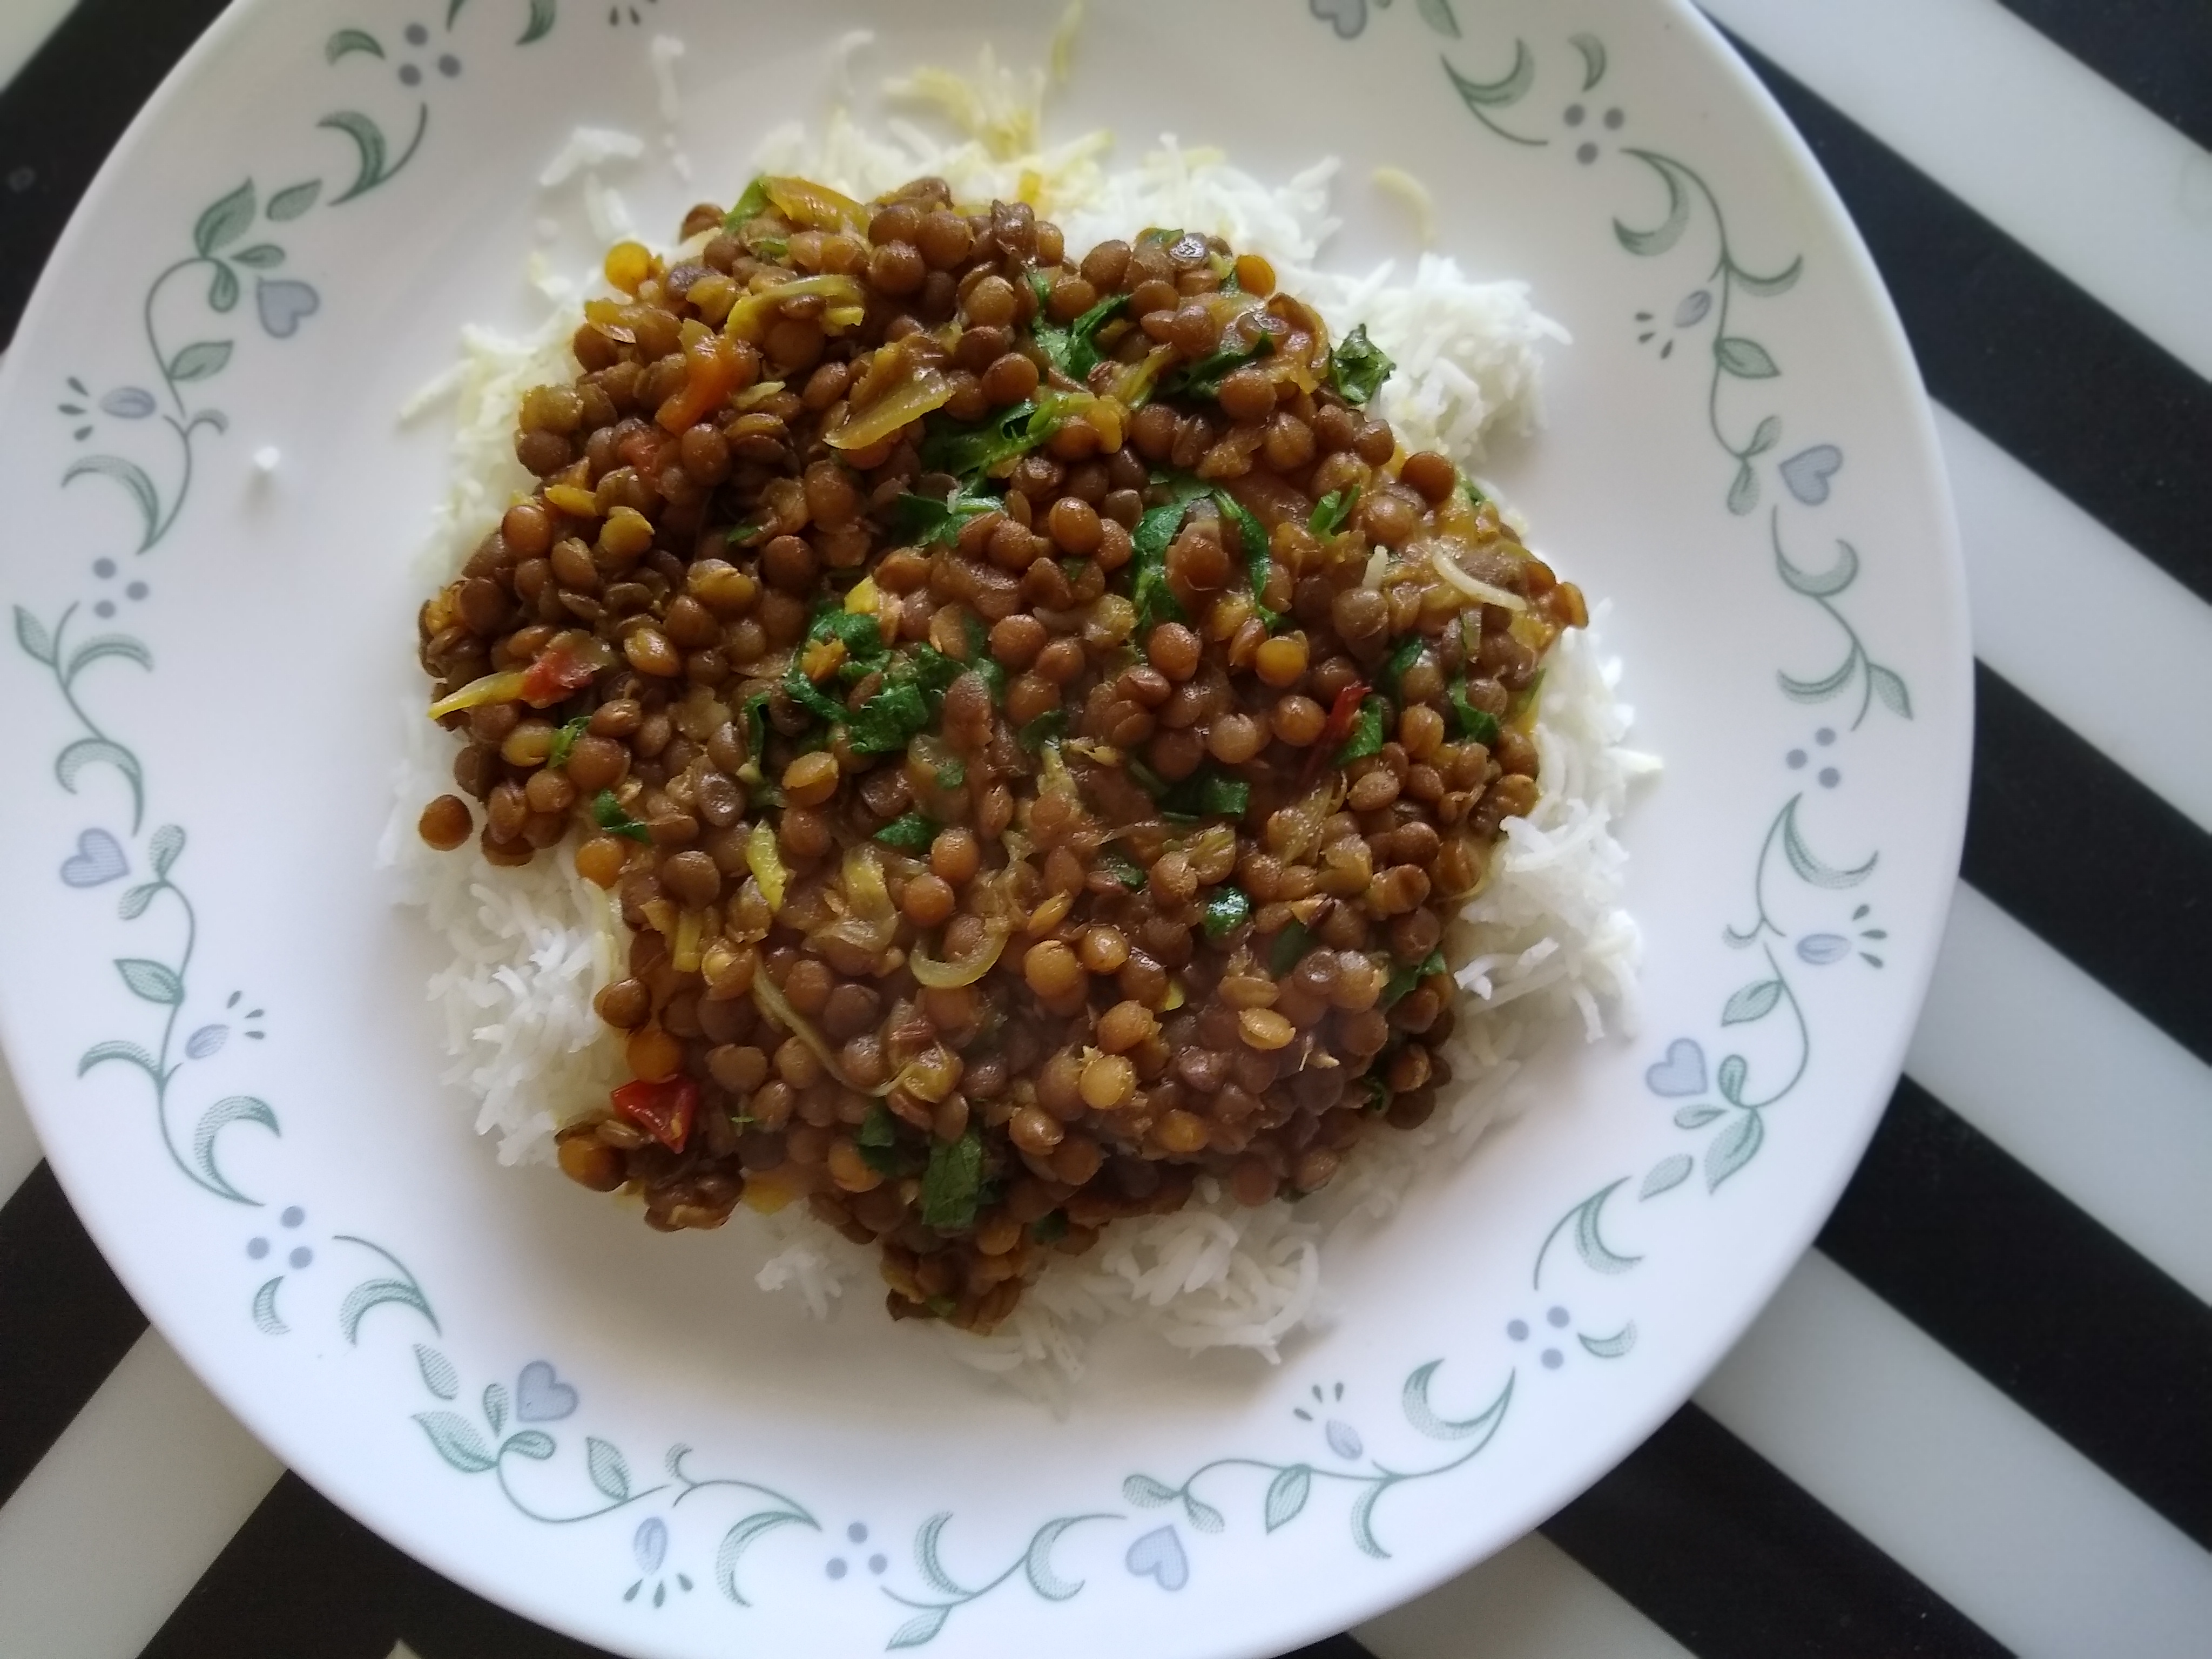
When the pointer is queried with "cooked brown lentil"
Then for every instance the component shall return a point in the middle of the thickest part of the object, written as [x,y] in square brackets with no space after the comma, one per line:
[959,661]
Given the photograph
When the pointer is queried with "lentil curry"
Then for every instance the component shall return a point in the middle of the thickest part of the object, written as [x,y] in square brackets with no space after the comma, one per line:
[1036,725]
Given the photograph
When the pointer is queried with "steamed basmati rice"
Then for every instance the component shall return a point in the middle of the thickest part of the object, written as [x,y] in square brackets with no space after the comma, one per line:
[1547,945]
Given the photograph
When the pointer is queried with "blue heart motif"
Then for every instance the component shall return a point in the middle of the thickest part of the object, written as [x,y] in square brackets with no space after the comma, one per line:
[1350,16]
[283,304]
[539,1397]
[1159,1554]
[1808,474]
[1682,1073]
[99,861]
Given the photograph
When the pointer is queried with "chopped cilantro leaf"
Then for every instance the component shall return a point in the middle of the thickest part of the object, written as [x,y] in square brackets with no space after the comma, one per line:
[966,449]
[886,722]
[1203,378]
[1148,558]
[1290,946]
[1468,722]
[1359,367]
[877,1142]
[810,697]
[1072,347]
[908,832]
[1227,797]
[1474,497]
[607,812]
[565,739]
[1204,793]
[861,636]
[1332,511]
[745,534]
[980,659]
[1227,909]
[750,206]
[1403,980]
[919,521]
[1254,537]
[1377,1092]
[953,775]
[952,1184]
[1052,723]
[1040,285]
[1408,653]
[1123,868]
[1366,736]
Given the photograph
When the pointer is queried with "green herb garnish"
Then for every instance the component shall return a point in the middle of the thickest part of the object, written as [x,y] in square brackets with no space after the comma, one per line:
[751,205]
[564,740]
[968,449]
[1290,946]
[607,812]
[1377,1091]
[1334,511]
[953,775]
[910,832]
[1227,909]
[1045,728]
[1253,536]
[1403,980]
[877,1141]
[1123,868]
[920,521]
[1366,736]
[746,534]
[1359,367]
[1408,653]
[980,659]
[1468,722]
[1206,793]
[1149,543]
[1474,497]
[1072,348]
[953,1181]
[1203,378]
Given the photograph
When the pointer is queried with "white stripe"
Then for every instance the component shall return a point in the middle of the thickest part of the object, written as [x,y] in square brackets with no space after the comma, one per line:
[2087,626]
[19,1146]
[1531,1601]
[1961,1487]
[24,27]
[2073,1083]
[2029,137]
[113,1528]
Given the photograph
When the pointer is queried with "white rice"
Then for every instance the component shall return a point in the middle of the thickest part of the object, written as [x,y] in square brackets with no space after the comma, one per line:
[1547,946]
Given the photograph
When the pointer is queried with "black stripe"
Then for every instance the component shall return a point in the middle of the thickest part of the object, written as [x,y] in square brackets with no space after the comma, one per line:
[1733,1560]
[64,111]
[66,1320]
[2099,409]
[1337,1647]
[2106,870]
[303,1580]
[2078,1329]
[2157,51]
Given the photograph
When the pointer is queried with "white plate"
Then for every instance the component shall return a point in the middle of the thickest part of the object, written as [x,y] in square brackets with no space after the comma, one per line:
[221,1027]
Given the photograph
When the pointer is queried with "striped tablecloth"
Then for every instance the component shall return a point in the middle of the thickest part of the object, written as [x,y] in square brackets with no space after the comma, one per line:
[1977,1418]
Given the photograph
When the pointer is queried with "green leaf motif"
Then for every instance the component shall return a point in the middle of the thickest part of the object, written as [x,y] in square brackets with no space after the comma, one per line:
[70,764]
[495,1406]
[1669,1172]
[348,41]
[920,1629]
[1695,1117]
[106,646]
[1147,1493]
[742,1537]
[535,1444]
[924,1555]
[266,1319]
[168,843]
[1037,1560]
[31,634]
[1754,1002]
[1663,236]
[261,255]
[1819,690]
[1732,1148]
[1287,1495]
[1767,435]
[1363,1520]
[1438,15]
[375,1293]
[456,1441]
[1480,97]
[1590,1241]
[1889,686]
[1609,1347]
[1203,1515]
[1414,1402]
[1819,585]
[1743,492]
[129,1054]
[155,981]
[199,360]
[1734,1071]
[438,1373]
[222,288]
[1593,53]
[290,203]
[543,14]
[1747,360]
[608,1473]
[1812,870]
[132,477]
[1768,288]
[372,152]
[236,1109]
[134,902]
[227,221]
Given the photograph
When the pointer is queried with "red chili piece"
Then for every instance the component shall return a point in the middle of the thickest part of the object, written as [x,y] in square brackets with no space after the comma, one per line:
[1341,715]
[553,676]
[663,1109]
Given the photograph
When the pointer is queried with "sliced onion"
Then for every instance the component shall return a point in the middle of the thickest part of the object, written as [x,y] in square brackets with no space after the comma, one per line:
[927,390]
[767,865]
[816,207]
[865,891]
[750,314]
[683,952]
[505,687]
[962,971]
[1448,568]
[771,1003]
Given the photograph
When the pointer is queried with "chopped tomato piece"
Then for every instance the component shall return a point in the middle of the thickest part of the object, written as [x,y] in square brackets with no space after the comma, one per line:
[1341,715]
[664,1108]
[553,676]
[715,369]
